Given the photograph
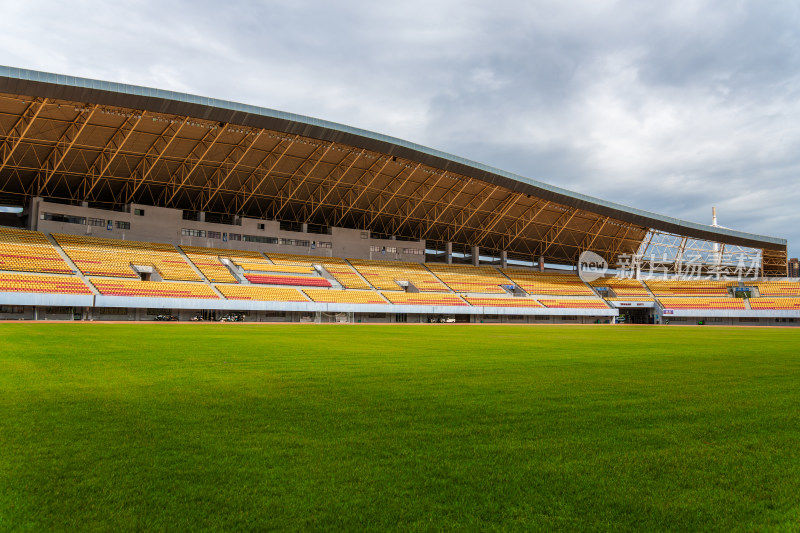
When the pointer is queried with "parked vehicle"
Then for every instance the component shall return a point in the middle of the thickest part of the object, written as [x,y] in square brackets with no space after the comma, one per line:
[164,318]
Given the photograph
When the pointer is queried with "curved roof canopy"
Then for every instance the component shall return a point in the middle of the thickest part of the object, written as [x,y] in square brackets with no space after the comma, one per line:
[112,144]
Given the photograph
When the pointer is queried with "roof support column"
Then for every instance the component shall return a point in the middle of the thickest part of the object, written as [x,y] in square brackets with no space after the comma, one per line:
[503,259]
[448,253]
[541,263]
[476,255]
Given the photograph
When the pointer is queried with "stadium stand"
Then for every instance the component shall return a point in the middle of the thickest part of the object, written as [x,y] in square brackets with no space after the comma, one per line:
[96,256]
[297,281]
[674,302]
[384,275]
[341,271]
[344,296]
[776,304]
[470,279]
[207,261]
[152,289]
[778,288]
[688,287]
[501,302]
[29,251]
[574,303]
[623,289]
[251,266]
[548,283]
[428,298]
[262,294]
[42,284]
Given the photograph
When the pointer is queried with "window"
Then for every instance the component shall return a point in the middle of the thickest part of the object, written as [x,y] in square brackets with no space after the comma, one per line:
[365,235]
[11,309]
[138,212]
[55,217]
[193,233]
[58,310]
[96,222]
[123,225]
[234,236]
[295,242]
[261,226]
[214,235]
[321,244]
[413,251]
[258,238]
[383,249]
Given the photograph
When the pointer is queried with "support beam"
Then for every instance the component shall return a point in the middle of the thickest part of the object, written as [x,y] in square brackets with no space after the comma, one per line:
[158,148]
[187,169]
[20,130]
[234,165]
[62,148]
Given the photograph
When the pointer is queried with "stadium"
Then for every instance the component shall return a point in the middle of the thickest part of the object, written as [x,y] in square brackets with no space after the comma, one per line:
[129,204]
[136,203]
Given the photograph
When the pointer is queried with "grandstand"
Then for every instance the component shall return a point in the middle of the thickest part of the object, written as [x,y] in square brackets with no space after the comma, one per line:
[385,275]
[215,206]
[548,283]
[471,279]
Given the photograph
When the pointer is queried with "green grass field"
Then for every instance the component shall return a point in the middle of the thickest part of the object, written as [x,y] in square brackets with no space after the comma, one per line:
[196,427]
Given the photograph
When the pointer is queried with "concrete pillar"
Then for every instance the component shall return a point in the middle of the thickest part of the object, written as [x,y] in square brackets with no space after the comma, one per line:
[448,253]
[503,259]
[305,228]
[476,255]
[33,216]
[201,216]
[541,263]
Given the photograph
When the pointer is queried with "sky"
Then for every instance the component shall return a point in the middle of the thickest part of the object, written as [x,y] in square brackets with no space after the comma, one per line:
[672,107]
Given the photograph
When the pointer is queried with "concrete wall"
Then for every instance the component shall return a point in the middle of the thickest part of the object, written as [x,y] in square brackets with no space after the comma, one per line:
[159,224]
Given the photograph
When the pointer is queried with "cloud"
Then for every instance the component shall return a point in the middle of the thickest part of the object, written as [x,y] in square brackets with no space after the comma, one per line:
[670,107]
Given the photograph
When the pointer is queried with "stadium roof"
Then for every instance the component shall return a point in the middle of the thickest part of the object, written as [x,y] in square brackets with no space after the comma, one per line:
[111,144]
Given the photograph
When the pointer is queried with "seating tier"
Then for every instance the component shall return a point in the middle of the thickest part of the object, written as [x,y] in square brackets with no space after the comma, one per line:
[263,294]
[470,279]
[778,304]
[207,261]
[405,298]
[29,251]
[344,297]
[778,288]
[338,268]
[42,284]
[153,289]
[706,288]
[624,289]
[297,281]
[576,303]
[96,256]
[384,275]
[501,302]
[733,304]
[547,283]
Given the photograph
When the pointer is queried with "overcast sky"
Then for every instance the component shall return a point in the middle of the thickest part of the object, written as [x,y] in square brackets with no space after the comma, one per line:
[672,107]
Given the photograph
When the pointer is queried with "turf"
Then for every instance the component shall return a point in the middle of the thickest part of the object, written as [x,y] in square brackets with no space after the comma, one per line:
[243,427]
